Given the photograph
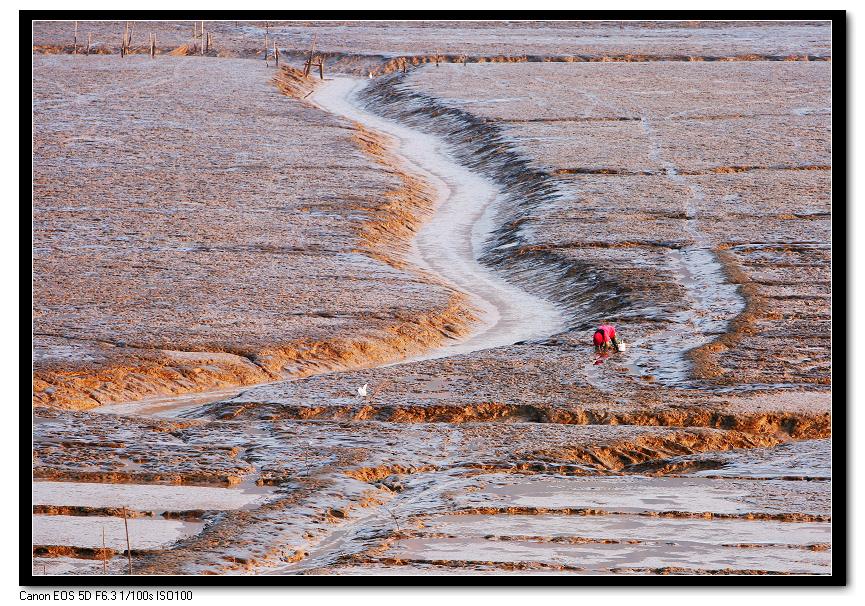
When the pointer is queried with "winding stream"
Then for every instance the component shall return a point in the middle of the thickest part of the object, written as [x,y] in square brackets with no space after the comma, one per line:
[449,244]
[447,247]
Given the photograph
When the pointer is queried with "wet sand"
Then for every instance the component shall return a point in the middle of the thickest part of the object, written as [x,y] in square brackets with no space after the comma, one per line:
[493,444]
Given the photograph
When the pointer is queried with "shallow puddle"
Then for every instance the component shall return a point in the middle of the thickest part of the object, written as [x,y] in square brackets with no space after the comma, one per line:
[807,459]
[76,566]
[632,527]
[603,557]
[145,497]
[636,494]
[86,531]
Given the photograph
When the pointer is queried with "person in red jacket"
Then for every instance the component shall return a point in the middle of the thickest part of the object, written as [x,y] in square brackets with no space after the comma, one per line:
[605,338]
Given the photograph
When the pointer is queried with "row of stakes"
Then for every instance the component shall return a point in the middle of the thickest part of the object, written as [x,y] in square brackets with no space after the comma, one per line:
[207,44]
[105,549]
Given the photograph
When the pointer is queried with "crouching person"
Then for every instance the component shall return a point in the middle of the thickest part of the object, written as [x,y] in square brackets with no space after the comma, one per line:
[605,338]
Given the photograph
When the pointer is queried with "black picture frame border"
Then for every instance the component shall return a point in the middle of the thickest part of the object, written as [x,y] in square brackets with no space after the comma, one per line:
[840,451]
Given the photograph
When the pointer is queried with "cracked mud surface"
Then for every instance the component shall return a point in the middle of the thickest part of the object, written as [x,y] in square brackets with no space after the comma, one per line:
[246,234]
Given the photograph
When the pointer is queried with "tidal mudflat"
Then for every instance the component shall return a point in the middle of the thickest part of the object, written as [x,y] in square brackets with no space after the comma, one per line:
[225,250]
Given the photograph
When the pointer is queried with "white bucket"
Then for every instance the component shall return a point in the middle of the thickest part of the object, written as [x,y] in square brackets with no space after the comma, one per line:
[623,347]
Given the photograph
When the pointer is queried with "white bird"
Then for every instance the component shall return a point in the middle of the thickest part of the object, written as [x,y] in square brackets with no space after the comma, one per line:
[370,75]
[361,391]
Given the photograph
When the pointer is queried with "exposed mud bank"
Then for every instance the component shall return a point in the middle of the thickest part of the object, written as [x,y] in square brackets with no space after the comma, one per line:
[161,372]
[795,424]
[366,44]
[538,567]
[717,170]
[147,373]
[746,325]
[291,82]
[388,237]
[653,208]
[394,65]
[339,485]
[602,525]
[450,567]
[446,247]
[200,478]
[708,515]
[634,455]
[705,358]
[84,553]
[385,235]
[513,459]
[116,512]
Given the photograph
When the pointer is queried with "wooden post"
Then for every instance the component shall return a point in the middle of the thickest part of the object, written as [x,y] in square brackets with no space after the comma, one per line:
[152,45]
[207,46]
[75,40]
[89,40]
[309,59]
[404,64]
[395,520]
[275,52]
[202,38]
[125,38]
[437,58]
[104,564]
[321,67]
[128,548]
[129,37]
[265,45]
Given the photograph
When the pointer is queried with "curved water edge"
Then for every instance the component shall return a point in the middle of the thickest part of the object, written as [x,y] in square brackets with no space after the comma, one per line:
[450,244]
[448,248]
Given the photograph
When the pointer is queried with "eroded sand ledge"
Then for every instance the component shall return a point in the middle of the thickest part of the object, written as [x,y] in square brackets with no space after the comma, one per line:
[97,370]
[434,225]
